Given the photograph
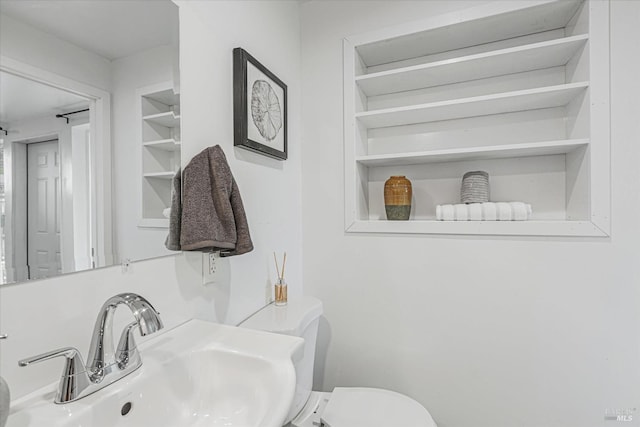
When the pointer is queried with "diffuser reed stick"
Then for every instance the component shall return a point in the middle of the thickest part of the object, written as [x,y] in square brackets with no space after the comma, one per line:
[284,262]
[276,261]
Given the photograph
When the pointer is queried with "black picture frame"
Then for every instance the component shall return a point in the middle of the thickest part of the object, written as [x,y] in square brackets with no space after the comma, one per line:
[259,107]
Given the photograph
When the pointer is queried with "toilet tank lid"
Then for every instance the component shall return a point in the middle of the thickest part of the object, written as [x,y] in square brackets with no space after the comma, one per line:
[290,319]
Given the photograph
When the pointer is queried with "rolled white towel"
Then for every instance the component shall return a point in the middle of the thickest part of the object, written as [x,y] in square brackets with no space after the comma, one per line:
[488,211]
[475,211]
[520,211]
[504,211]
[462,212]
[448,213]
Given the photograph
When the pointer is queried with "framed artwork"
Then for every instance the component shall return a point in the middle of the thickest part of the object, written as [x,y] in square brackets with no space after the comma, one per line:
[259,107]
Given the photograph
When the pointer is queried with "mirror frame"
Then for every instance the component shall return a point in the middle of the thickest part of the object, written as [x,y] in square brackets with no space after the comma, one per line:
[100,133]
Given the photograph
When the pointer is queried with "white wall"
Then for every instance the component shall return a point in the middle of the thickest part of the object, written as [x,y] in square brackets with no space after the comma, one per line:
[483,331]
[31,46]
[129,74]
[271,189]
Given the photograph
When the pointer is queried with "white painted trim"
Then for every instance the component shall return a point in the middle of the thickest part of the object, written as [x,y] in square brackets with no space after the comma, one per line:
[350,168]
[100,115]
[600,89]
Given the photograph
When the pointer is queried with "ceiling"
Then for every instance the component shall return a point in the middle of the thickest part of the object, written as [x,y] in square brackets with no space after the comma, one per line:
[16,102]
[110,28]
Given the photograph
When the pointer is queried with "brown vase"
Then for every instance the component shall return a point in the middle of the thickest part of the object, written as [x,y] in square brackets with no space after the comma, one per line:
[397,198]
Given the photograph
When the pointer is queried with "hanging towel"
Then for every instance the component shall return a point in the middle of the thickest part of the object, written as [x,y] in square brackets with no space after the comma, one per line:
[213,217]
[5,402]
[175,214]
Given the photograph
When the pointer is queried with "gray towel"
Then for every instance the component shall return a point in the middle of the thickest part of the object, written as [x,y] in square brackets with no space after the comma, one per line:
[5,402]
[173,239]
[213,217]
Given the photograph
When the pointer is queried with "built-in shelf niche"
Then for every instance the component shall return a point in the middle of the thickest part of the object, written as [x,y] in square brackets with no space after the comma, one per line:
[520,90]
[160,144]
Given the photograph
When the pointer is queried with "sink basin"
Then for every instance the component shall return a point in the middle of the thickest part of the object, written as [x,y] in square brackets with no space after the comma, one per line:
[197,374]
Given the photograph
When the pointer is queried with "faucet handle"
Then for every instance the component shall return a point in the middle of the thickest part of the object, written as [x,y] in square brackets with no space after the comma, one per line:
[74,378]
[127,351]
[72,355]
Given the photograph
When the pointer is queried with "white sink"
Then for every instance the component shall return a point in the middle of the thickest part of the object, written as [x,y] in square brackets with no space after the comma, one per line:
[198,374]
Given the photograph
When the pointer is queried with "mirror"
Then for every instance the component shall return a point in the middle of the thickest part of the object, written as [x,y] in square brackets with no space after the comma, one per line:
[90,138]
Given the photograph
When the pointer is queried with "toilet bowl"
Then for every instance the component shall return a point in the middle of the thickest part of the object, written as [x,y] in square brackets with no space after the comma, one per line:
[344,406]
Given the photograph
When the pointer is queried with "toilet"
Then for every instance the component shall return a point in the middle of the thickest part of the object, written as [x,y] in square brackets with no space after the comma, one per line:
[344,406]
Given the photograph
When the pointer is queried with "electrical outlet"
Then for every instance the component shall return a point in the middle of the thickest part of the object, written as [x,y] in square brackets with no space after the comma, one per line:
[212,263]
[209,268]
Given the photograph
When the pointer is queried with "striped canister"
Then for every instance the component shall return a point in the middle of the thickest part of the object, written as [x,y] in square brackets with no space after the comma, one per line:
[475,187]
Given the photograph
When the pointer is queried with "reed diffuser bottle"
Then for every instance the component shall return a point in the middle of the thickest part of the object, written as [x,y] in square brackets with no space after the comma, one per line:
[281,285]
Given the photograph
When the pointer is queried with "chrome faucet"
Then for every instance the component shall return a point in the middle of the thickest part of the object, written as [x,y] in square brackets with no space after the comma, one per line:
[105,365]
[102,359]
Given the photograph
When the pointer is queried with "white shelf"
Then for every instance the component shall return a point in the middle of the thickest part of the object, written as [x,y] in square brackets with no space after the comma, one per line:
[154,223]
[166,97]
[474,153]
[160,175]
[535,56]
[462,28]
[521,100]
[520,228]
[164,144]
[168,119]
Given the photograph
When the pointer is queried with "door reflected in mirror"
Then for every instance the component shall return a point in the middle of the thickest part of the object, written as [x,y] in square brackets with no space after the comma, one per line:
[47,202]
[77,158]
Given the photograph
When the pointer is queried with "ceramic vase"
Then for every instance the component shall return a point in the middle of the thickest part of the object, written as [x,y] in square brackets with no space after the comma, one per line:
[397,198]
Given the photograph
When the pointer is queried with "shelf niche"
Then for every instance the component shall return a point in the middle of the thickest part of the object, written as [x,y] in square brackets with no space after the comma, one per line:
[517,90]
[159,108]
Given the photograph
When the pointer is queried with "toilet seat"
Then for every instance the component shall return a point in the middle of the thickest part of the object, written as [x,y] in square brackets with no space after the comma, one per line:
[365,407]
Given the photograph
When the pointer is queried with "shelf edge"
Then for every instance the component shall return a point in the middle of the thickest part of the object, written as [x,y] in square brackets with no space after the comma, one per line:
[489,228]
[467,58]
[471,153]
[472,99]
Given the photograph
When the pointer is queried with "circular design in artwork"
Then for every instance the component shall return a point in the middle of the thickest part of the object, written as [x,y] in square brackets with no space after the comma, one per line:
[265,110]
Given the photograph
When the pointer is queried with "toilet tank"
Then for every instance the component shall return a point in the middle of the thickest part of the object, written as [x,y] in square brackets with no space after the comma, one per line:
[300,318]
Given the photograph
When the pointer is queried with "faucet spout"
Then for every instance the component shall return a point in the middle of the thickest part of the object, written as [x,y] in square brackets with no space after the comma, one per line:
[102,355]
